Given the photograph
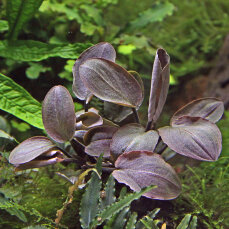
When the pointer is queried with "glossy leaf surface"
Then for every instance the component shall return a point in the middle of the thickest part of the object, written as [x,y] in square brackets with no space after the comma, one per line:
[193,137]
[139,169]
[110,82]
[58,114]
[208,108]
[159,85]
[101,50]
[30,149]
[123,137]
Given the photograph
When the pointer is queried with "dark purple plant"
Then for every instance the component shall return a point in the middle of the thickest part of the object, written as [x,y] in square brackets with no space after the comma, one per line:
[131,152]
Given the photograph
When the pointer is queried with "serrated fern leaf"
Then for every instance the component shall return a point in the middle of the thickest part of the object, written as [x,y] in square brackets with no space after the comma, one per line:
[118,220]
[15,100]
[193,223]
[118,206]
[89,202]
[132,221]
[29,50]
[109,196]
[184,222]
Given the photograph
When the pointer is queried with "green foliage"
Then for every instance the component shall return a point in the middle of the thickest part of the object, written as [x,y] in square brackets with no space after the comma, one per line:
[18,13]
[90,199]
[3,25]
[12,208]
[30,50]
[15,100]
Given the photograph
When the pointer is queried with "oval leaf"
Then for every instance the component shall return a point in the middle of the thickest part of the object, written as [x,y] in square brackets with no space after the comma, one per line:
[139,169]
[98,147]
[193,137]
[30,149]
[101,50]
[159,85]
[123,137]
[110,82]
[208,108]
[58,114]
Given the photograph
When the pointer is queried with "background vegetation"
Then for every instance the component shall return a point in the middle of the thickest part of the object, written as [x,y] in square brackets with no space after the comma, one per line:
[40,41]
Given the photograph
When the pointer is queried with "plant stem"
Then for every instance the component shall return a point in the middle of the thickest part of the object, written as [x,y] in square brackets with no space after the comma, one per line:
[85,106]
[78,148]
[148,126]
[135,115]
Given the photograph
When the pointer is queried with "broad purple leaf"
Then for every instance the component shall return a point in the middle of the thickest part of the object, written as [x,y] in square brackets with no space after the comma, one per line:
[139,169]
[193,137]
[159,85]
[30,149]
[58,114]
[37,163]
[146,141]
[139,79]
[95,148]
[99,133]
[208,108]
[101,50]
[123,137]
[110,82]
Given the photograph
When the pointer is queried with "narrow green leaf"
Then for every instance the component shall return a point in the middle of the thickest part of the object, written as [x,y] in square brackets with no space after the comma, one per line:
[15,100]
[148,223]
[193,223]
[89,202]
[109,190]
[184,222]
[118,220]
[30,50]
[18,13]
[131,221]
[118,206]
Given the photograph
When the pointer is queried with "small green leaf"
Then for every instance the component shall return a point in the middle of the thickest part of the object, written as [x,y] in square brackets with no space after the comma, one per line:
[89,202]
[35,69]
[118,206]
[109,190]
[15,100]
[3,25]
[184,222]
[193,223]
[30,50]
[132,221]
[18,13]
[11,208]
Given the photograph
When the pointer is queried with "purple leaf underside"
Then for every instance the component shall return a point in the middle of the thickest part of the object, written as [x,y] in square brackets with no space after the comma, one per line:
[30,149]
[101,50]
[159,85]
[110,82]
